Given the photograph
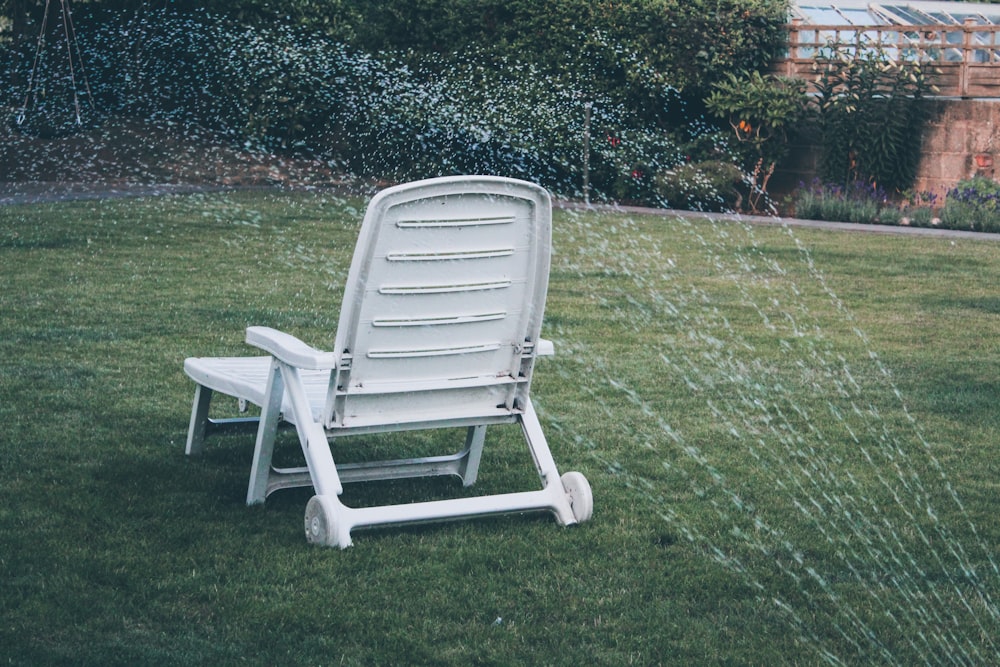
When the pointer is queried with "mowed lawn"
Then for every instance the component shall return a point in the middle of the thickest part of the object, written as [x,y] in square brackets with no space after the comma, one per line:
[790,434]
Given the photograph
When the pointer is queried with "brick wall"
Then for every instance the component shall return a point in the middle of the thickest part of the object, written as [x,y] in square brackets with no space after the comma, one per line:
[961,140]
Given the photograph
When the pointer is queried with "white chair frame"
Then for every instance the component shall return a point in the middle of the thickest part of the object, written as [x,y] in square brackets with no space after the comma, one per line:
[439,328]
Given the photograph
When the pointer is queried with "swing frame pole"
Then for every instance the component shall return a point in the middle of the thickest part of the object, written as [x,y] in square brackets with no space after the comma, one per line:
[69,34]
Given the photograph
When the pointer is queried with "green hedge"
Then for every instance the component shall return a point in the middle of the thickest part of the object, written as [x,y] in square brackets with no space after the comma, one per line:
[688,43]
[405,90]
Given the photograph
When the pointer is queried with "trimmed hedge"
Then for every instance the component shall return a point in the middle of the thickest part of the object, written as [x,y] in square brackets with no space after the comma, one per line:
[425,88]
[689,43]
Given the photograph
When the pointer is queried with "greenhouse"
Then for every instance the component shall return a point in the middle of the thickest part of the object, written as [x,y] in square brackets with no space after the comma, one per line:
[861,13]
[959,39]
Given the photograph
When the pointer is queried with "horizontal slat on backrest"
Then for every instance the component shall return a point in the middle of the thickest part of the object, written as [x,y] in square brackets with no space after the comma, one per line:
[444,297]
[476,254]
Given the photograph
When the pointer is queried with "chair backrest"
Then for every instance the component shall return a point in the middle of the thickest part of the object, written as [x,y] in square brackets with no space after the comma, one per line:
[443,304]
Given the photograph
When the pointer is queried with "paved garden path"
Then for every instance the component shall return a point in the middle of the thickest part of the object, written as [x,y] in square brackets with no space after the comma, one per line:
[795,222]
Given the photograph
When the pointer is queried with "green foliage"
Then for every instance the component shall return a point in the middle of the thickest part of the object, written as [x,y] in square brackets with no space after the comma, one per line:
[728,34]
[974,205]
[698,42]
[713,185]
[921,216]
[407,90]
[568,37]
[394,115]
[760,109]
[858,202]
[871,115]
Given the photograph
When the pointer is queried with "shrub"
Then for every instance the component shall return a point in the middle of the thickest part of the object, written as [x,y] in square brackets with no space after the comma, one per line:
[556,34]
[921,216]
[704,186]
[871,115]
[760,109]
[973,204]
[399,117]
[402,115]
[919,209]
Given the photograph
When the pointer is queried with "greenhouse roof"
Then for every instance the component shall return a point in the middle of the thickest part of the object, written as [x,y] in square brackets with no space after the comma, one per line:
[862,13]
[962,39]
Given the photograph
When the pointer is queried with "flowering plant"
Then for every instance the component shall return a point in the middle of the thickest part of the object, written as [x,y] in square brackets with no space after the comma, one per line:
[973,204]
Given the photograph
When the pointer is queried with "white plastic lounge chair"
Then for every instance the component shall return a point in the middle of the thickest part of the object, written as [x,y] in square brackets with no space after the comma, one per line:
[439,327]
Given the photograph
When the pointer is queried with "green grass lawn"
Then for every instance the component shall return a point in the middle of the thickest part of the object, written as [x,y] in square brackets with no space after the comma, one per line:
[791,439]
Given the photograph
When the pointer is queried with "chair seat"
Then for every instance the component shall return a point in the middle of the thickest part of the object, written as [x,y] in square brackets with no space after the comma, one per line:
[246,378]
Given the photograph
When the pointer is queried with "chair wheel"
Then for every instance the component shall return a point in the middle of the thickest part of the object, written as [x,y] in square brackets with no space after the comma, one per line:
[321,527]
[581,499]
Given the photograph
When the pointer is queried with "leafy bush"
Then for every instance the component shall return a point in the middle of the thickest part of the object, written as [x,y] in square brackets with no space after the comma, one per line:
[974,205]
[391,116]
[760,109]
[921,216]
[403,115]
[703,186]
[871,115]
[557,35]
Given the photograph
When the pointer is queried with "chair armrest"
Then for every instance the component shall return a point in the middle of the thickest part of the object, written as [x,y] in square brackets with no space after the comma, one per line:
[545,348]
[289,349]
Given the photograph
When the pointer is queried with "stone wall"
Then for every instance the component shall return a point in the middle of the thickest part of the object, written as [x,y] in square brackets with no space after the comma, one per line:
[961,140]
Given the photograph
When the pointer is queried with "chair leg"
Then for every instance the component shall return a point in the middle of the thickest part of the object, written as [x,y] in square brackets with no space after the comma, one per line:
[267,430]
[312,435]
[199,421]
[538,446]
[329,523]
[546,465]
[469,468]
